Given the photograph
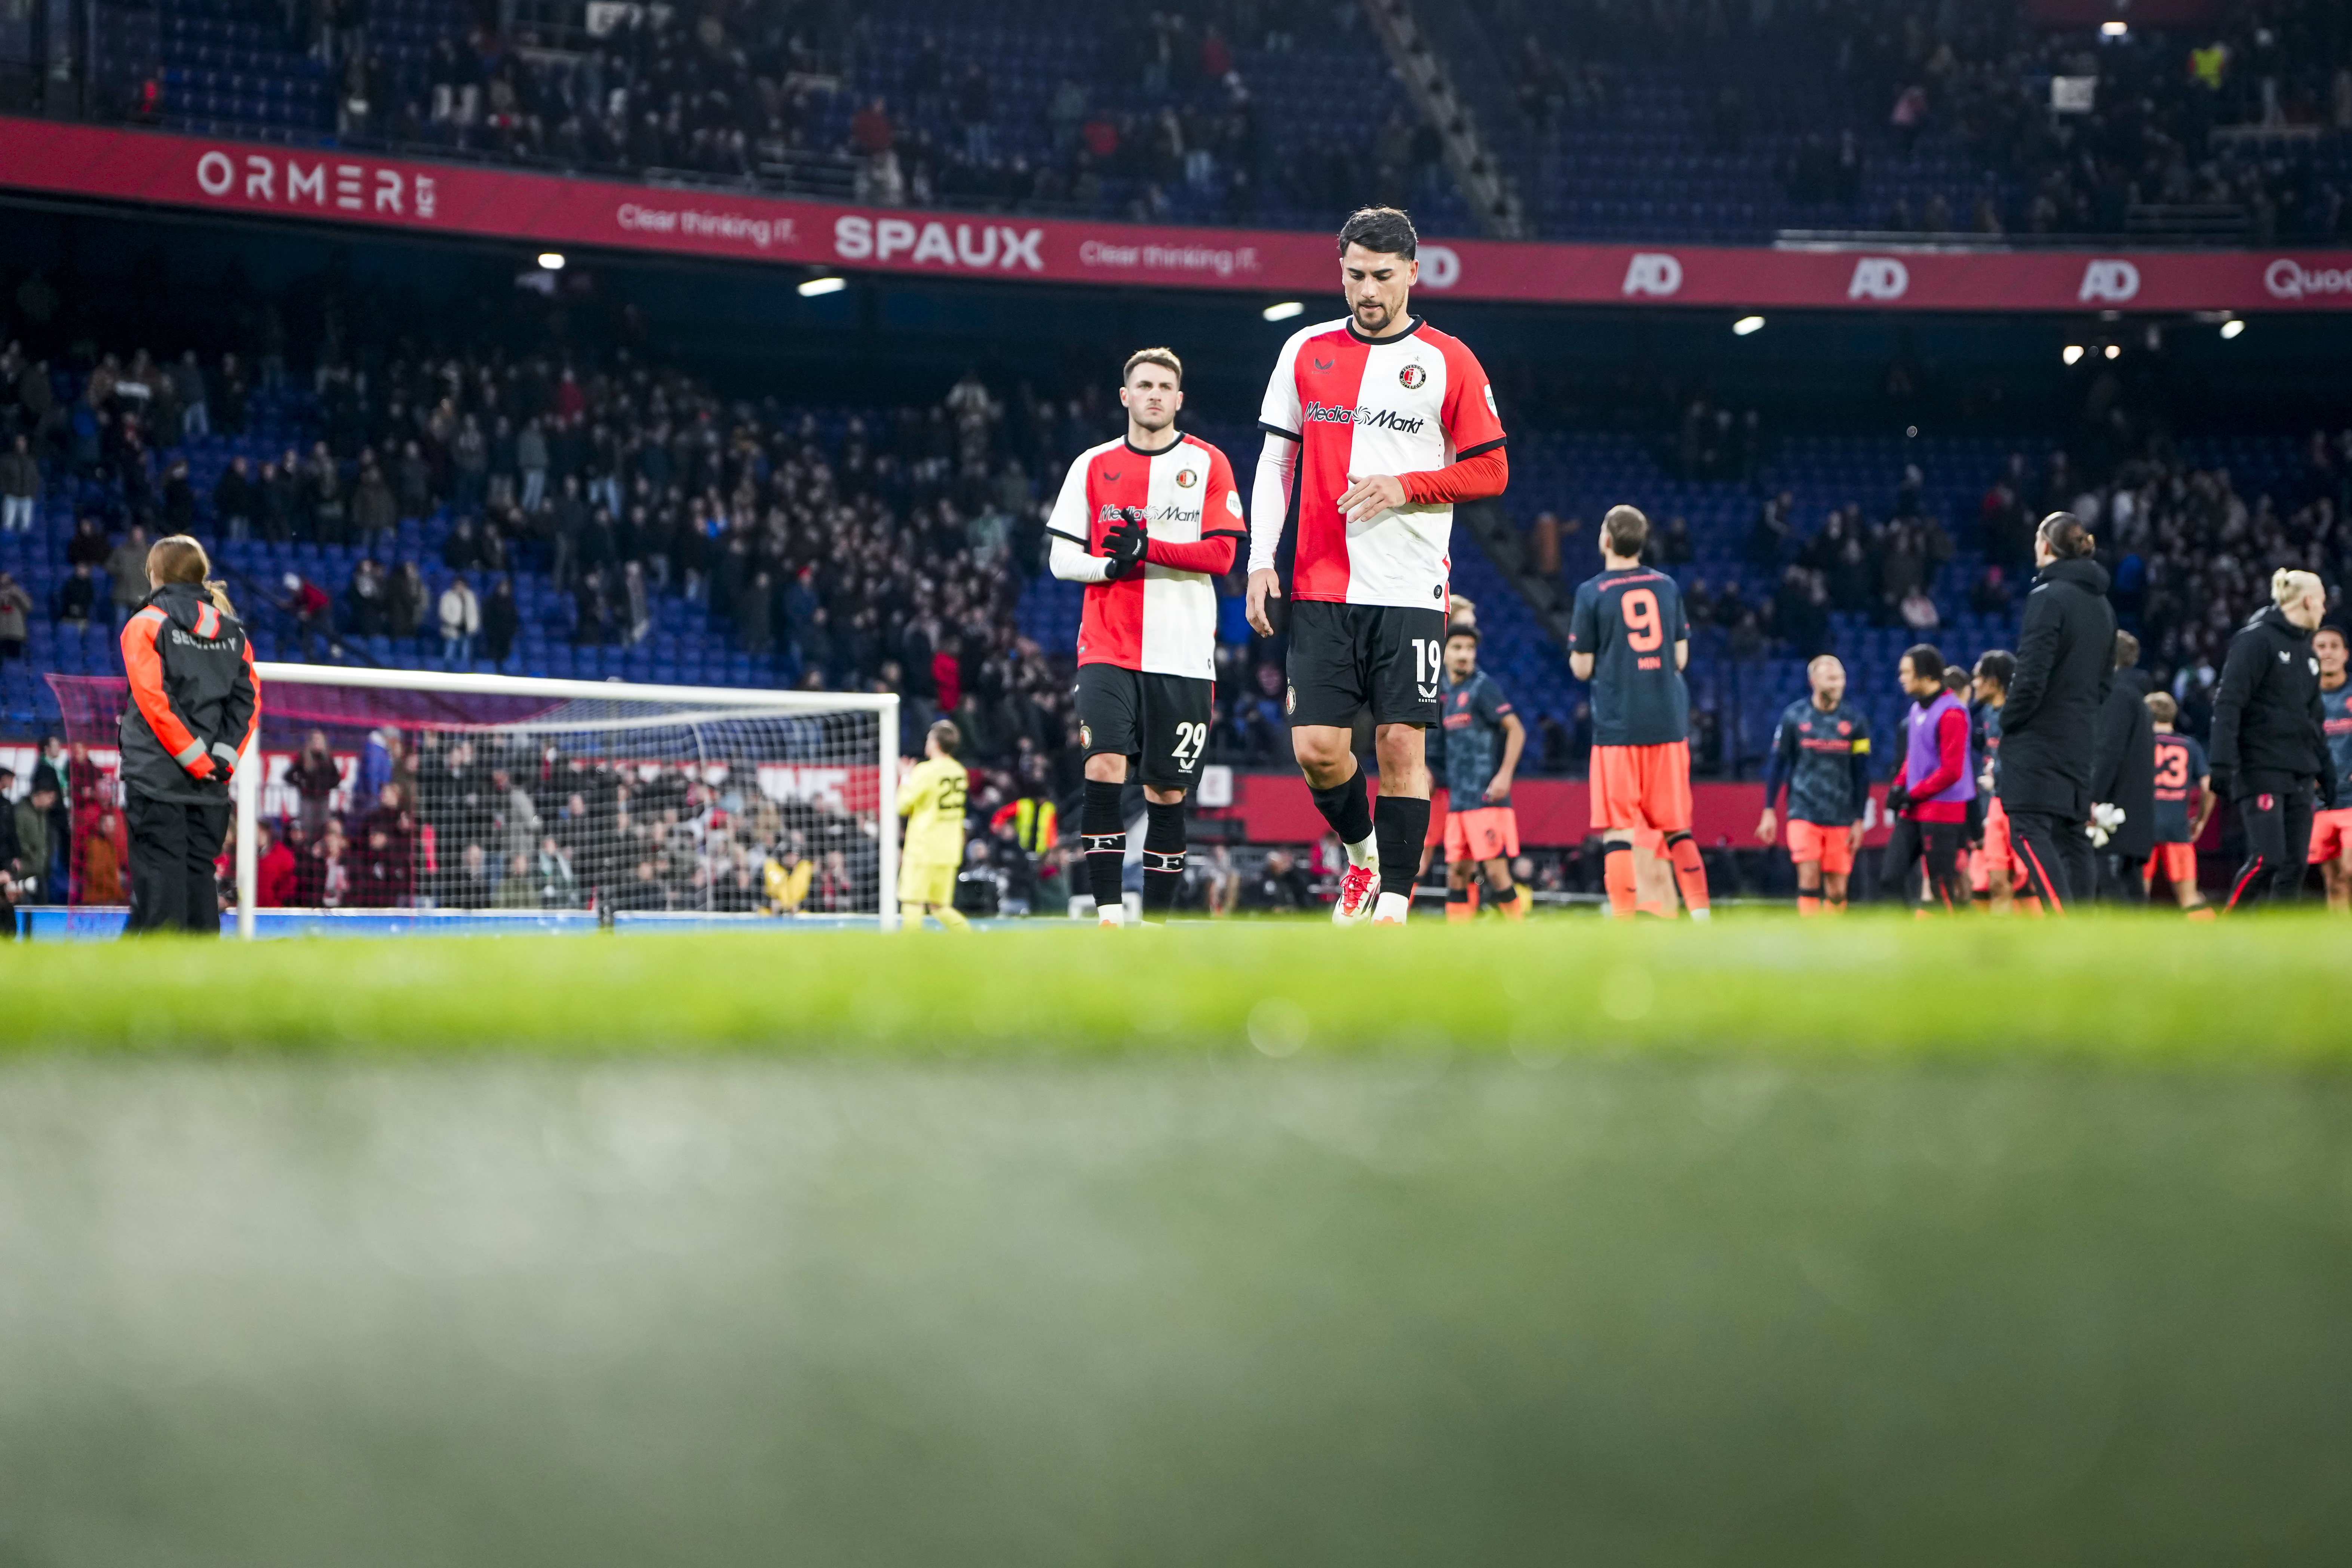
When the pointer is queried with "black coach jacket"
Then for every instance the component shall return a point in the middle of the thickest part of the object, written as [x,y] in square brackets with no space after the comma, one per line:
[194,697]
[2266,714]
[2123,770]
[2066,666]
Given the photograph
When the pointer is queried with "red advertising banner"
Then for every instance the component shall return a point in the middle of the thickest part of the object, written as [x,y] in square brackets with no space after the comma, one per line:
[554,210]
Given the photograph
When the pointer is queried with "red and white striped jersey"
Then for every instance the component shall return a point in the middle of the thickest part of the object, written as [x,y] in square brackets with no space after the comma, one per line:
[1405,404]
[1162,619]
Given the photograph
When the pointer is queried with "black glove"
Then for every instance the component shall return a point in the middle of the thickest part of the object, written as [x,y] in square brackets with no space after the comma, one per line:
[1124,544]
[1898,799]
[2224,785]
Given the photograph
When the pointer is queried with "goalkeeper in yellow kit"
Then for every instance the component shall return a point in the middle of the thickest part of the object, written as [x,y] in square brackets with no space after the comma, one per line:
[931,798]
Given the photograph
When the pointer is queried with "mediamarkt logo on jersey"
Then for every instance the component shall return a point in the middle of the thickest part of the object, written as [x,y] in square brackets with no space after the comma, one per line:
[1109,512]
[1370,418]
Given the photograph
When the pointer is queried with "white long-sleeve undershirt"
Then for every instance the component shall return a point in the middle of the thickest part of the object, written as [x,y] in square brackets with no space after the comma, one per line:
[1277,464]
[1074,563]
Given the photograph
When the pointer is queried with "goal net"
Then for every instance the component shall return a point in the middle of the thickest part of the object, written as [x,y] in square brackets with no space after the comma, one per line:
[402,790]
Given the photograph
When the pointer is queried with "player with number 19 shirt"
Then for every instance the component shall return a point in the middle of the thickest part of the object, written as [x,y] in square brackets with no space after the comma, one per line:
[1376,425]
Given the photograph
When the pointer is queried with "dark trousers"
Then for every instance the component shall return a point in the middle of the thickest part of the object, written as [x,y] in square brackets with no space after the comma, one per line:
[2123,879]
[2059,866]
[2278,841]
[1938,844]
[173,846]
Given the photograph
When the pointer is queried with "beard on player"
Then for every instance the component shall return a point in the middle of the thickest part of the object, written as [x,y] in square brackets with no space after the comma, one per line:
[1378,269]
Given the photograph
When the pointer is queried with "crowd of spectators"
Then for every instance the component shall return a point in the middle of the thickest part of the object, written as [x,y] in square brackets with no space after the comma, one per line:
[1875,79]
[1883,572]
[801,94]
[2191,555]
[889,547]
[2150,138]
[508,821]
[848,552]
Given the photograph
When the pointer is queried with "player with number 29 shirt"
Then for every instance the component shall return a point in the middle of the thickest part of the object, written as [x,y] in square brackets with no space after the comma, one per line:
[1627,636]
[1146,522]
[1375,424]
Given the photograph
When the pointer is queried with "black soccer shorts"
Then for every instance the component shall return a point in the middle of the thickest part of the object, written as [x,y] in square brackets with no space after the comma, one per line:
[1344,658]
[1159,723]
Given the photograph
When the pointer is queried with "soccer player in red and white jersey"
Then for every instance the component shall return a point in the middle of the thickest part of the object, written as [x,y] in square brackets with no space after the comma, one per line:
[1375,424]
[1146,522]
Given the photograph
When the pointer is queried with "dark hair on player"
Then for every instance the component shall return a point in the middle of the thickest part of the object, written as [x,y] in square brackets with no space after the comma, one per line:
[1955,679]
[2126,650]
[1464,629]
[2065,533]
[1385,231]
[950,738]
[1166,358]
[1926,661]
[2162,708]
[1998,665]
[1627,530]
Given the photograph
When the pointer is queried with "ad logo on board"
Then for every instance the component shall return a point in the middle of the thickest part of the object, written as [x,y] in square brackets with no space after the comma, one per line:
[1879,278]
[2112,281]
[1655,273]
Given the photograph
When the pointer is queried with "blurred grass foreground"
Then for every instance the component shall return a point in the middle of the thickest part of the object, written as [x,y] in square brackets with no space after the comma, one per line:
[1767,1244]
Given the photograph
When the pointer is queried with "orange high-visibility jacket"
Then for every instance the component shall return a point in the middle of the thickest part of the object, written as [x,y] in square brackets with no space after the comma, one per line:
[195,700]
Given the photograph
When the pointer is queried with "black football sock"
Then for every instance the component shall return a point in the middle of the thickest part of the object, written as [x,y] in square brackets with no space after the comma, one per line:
[1105,843]
[1163,857]
[1349,809]
[1402,824]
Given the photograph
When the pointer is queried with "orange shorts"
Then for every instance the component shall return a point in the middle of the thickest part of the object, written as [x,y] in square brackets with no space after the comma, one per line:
[2175,863]
[1486,833]
[1642,786]
[1438,801]
[1999,853]
[2331,834]
[1833,846]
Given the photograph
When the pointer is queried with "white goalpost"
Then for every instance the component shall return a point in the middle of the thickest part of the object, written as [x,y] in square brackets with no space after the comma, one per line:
[517,792]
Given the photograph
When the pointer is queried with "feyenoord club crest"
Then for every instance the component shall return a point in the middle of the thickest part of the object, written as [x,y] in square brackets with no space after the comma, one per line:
[1413,375]
[1290,700]
[1186,479]
[1086,736]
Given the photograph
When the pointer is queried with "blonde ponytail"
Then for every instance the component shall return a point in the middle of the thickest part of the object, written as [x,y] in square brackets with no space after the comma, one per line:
[2287,585]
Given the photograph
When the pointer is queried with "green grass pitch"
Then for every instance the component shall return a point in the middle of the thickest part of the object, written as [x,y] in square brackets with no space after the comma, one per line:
[1863,1242]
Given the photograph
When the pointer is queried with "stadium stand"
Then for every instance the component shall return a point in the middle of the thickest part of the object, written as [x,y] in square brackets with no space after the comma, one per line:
[898,544]
[1730,123]
[908,538]
[664,590]
[1248,115]
[1667,123]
